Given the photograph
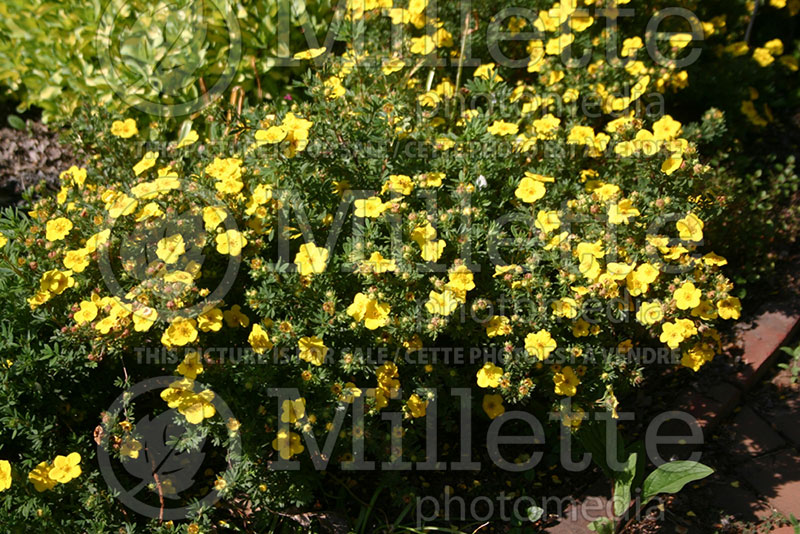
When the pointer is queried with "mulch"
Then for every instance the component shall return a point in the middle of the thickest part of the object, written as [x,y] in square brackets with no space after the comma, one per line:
[28,157]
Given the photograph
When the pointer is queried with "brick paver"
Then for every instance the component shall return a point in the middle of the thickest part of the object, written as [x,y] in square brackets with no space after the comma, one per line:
[760,342]
[767,462]
[776,477]
[753,435]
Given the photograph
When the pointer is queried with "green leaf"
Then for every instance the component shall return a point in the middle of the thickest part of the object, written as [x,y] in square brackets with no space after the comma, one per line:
[15,122]
[623,484]
[604,525]
[594,436]
[672,477]
[535,513]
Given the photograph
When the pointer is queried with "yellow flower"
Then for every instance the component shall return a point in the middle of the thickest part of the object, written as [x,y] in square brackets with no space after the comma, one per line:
[310,53]
[671,164]
[76,260]
[398,183]
[547,221]
[422,45]
[75,174]
[639,280]
[379,264]
[312,350]
[430,179]
[565,307]
[259,339]
[429,100]
[705,310]
[225,169]
[493,405]
[296,133]
[121,205]
[650,313]
[191,366]
[714,259]
[261,195]
[213,216]
[566,382]
[391,66]
[371,207]
[729,308]
[130,447]
[169,249]
[287,444]
[5,475]
[311,259]
[680,40]
[498,326]
[503,128]
[540,344]
[196,407]
[416,406]
[272,135]
[460,279]
[557,45]
[87,312]
[687,296]
[150,210]
[235,318]
[334,88]
[100,238]
[40,476]
[55,281]
[697,356]
[65,468]
[672,334]
[621,212]
[443,303]
[3,240]
[293,410]
[231,242]
[144,318]
[631,45]
[57,229]
[530,190]
[210,320]
[147,162]
[374,314]
[489,375]
[666,128]
[486,72]
[606,191]
[180,332]
[690,228]
[763,57]
[581,135]
[124,129]
[425,237]
[190,138]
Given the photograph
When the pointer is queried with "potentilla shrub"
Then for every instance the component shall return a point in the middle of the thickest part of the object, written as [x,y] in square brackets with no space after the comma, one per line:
[397,233]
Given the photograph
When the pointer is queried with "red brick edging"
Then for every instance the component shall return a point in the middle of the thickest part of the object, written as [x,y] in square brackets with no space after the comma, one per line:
[760,340]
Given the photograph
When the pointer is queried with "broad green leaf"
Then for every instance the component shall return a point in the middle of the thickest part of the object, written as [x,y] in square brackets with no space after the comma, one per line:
[672,477]
[623,484]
